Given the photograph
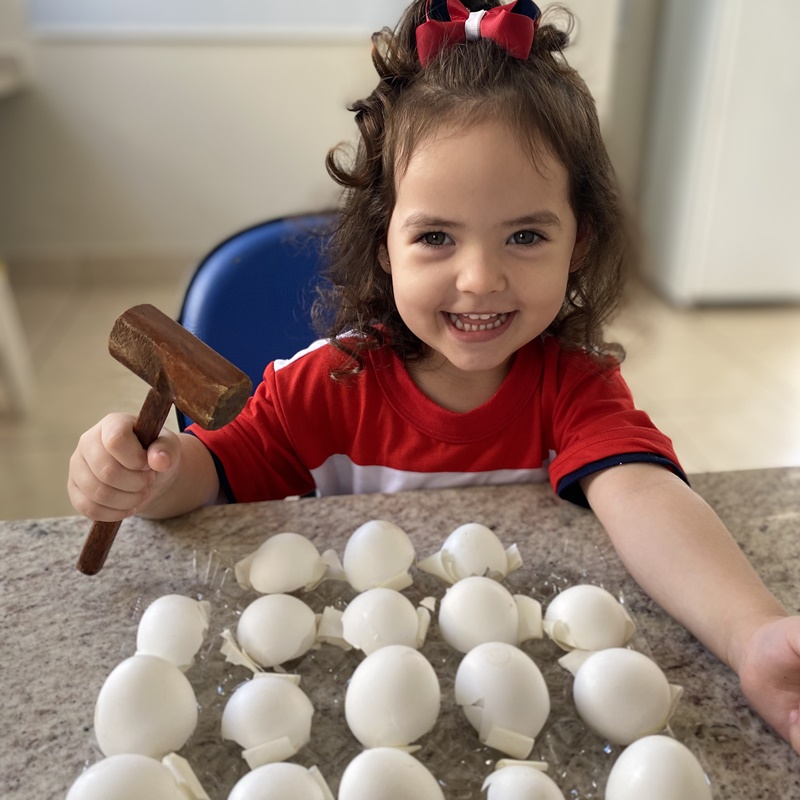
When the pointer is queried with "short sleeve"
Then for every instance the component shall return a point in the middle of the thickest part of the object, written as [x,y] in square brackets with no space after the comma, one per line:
[255,456]
[594,424]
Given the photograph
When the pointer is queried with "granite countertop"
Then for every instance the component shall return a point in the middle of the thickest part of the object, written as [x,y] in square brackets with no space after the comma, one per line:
[63,632]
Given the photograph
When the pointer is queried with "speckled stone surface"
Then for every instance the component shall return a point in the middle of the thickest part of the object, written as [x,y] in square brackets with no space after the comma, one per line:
[63,632]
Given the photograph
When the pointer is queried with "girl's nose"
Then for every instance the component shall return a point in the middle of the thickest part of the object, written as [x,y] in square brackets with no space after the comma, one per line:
[480,273]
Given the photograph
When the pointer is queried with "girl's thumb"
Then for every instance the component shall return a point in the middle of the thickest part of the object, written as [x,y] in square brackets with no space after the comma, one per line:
[160,454]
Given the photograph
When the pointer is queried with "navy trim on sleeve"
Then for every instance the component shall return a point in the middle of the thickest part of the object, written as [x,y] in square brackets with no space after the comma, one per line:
[569,487]
[224,485]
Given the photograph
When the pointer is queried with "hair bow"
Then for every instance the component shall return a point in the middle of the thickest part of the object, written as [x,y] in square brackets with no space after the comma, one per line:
[449,22]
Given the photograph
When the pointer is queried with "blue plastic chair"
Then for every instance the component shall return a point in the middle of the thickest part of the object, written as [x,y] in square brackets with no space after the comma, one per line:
[250,297]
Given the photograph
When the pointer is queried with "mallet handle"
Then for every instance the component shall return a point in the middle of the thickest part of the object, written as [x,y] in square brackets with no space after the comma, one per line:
[148,425]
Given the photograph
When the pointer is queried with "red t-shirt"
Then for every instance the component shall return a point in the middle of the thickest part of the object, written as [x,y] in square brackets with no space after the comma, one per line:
[557,416]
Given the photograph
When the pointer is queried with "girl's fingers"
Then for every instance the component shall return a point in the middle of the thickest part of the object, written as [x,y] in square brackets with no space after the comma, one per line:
[118,440]
[96,498]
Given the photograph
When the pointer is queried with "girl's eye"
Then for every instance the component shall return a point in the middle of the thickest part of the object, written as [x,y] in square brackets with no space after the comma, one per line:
[434,238]
[526,237]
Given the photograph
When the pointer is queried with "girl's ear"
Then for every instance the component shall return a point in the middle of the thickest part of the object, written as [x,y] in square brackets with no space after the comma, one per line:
[581,248]
[383,259]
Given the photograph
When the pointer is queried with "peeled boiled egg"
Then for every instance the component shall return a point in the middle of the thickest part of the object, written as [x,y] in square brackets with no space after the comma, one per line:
[283,563]
[146,706]
[658,768]
[384,773]
[587,617]
[174,627]
[622,695]
[478,609]
[130,776]
[270,717]
[378,553]
[521,781]
[280,782]
[472,549]
[392,698]
[276,628]
[504,697]
[380,617]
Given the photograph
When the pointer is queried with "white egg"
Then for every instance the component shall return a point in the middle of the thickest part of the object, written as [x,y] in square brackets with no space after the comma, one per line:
[657,768]
[281,782]
[380,617]
[126,777]
[392,698]
[270,717]
[587,617]
[623,695]
[283,563]
[146,706]
[521,782]
[478,609]
[471,549]
[276,628]
[173,627]
[504,697]
[378,553]
[384,773]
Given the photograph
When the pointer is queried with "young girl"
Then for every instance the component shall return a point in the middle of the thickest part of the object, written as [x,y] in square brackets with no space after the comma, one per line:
[479,251]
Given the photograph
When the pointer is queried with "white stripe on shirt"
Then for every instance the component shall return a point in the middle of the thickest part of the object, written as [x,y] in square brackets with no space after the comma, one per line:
[339,475]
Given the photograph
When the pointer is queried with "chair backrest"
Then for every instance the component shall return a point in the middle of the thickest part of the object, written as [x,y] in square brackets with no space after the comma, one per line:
[250,297]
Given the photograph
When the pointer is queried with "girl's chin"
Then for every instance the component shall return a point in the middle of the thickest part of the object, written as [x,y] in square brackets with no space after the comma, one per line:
[472,363]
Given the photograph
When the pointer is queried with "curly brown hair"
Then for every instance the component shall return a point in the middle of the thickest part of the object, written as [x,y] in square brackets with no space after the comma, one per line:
[543,101]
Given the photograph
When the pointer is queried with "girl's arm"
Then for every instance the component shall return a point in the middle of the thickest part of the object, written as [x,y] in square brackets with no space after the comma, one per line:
[680,553]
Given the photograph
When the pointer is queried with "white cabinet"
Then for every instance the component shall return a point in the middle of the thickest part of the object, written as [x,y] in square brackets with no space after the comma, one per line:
[720,203]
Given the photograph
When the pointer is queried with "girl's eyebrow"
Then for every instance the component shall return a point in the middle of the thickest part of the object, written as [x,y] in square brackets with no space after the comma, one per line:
[421,220]
[548,218]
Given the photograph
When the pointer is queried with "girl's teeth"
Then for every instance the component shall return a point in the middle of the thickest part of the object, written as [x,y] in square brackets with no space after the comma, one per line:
[488,321]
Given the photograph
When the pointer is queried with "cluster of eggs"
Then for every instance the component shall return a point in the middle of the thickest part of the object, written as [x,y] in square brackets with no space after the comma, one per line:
[146,710]
[393,697]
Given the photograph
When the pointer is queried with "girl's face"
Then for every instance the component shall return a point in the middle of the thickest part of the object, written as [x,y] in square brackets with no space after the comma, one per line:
[480,245]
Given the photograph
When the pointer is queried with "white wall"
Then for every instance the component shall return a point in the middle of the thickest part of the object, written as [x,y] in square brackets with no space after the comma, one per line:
[629,101]
[160,149]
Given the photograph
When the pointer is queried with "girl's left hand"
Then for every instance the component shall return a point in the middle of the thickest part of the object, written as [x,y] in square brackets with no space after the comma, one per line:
[769,672]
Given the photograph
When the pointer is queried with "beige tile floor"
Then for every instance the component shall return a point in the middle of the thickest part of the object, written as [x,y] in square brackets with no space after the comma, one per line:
[723,383]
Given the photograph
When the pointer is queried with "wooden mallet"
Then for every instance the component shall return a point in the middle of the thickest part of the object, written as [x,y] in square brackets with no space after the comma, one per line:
[181,370]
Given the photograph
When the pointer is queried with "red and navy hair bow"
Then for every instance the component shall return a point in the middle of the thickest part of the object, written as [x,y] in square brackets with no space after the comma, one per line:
[449,22]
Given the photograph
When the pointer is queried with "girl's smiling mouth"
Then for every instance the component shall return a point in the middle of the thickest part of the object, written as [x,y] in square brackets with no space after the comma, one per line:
[471,323]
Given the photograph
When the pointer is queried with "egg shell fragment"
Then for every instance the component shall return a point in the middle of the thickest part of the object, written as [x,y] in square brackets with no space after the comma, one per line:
[472,549]
[504,696]
[393,697]
[174,627]
[276,628]
[270,717]
[146,706]
[129,776]
[587,617]
[281,782]
[521,780]
[621,694]
[378,553]
[657,768]
[477,610]
[284,563]
[385,773]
